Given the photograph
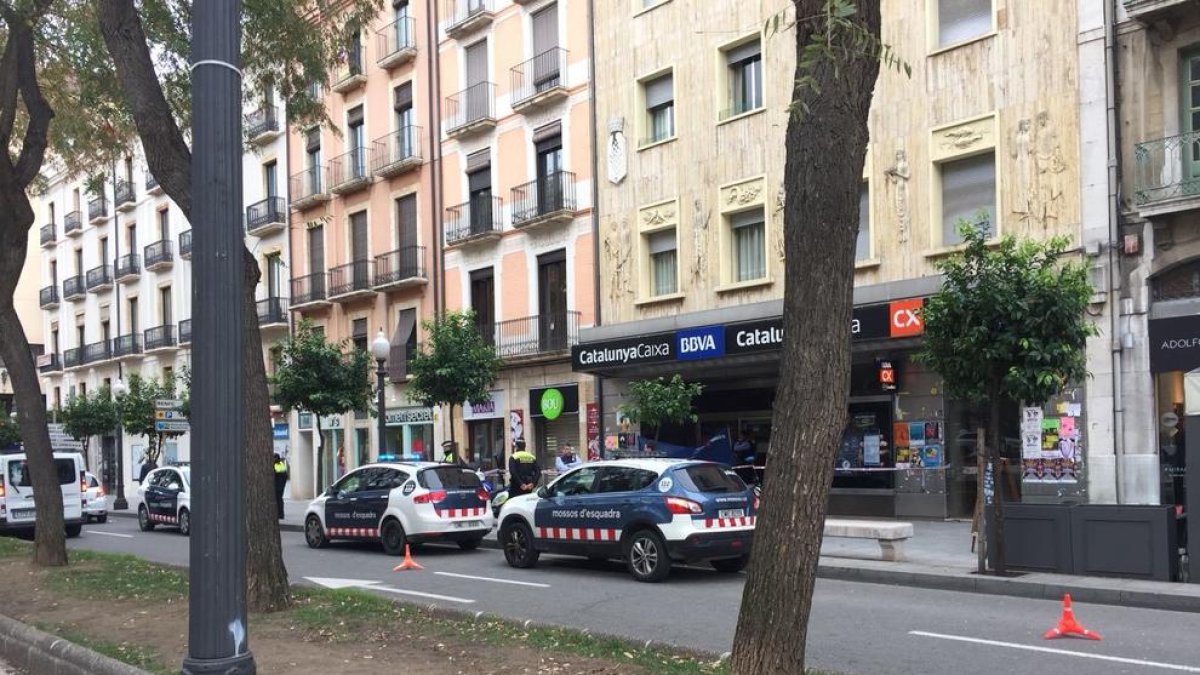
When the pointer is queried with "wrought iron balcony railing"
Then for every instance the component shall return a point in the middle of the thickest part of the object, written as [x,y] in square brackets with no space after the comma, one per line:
[159,255]
[125,194]
[185,332]
[99,278]
[96,352]
[348,172]
[97,209]
[127,345]
[400,266]
[48,297]
[309,187]
[539,79]
[272,311]
[465,16]
[308,289]
[73,287]
[1167,169]
[470,109]
[73,223]
[397,152]
[537,335]
[550,197]
[475,219]
[160,337]
[73,357]
[351,278]
[185,244]
[47,234]
[269,215]
[261,122]
[396,42]
[50,363]
[129,267]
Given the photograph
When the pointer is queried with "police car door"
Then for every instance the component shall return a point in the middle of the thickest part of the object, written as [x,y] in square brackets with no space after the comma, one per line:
[622,501]
[375,494]
[167,485]
[559,521]
[341,505]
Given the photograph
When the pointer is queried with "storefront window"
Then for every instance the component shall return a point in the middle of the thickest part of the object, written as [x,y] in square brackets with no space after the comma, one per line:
[1172,452]
[486,440]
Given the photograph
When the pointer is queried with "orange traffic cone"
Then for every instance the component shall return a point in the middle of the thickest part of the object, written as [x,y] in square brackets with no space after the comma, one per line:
[1068,626]
[408,563]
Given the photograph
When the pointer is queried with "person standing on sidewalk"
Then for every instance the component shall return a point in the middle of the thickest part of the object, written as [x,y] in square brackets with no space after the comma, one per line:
[523,471]
[281,479]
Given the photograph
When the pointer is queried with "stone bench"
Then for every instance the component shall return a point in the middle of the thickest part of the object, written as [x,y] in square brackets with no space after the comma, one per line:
[891,535]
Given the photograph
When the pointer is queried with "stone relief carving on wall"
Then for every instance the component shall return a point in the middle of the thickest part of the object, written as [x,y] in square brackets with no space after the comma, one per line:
[897,180]
[618,256]
[1039,168]
[961,138]
[742,194]
[700,221]
[659,215]
[780,202]
[616,151]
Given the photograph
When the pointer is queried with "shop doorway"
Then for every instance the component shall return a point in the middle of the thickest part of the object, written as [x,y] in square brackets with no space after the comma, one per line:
[486,440]
[865,459]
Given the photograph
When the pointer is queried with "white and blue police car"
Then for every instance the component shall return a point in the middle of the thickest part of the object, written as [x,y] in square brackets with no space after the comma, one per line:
[651,512]
[399,503]
[166,497]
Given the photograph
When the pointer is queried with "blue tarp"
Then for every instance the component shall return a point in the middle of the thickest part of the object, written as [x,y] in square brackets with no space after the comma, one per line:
[719,448]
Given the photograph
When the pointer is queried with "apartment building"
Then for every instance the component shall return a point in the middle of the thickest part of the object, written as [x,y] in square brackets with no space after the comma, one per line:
[25,298]
[116,294]
[692,102]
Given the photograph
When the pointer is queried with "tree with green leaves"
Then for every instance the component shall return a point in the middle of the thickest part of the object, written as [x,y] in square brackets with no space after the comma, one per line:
[321,377]
[661,401]
[1009,323]
[137,411]
[455,364]
[86,415]
[10,432]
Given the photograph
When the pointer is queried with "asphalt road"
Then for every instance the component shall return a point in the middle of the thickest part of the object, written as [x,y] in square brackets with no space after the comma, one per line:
[855,628]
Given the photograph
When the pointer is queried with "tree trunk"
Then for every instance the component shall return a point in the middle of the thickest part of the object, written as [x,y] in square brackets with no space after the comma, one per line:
[823,175]
[996,551]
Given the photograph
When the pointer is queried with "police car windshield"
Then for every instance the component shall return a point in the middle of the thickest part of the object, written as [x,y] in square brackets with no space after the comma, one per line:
[448,478]
[709,478]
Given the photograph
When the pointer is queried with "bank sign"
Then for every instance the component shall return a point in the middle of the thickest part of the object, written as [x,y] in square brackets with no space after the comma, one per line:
[870,322]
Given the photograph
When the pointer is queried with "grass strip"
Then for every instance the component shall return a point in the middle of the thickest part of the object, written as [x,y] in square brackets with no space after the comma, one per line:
[135,655]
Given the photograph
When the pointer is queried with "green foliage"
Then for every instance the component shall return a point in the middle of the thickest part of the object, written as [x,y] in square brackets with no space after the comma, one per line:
[10,433]
[87,415]
[657,402]
[320,377]
[454,365]
[137,410]
[1010,319]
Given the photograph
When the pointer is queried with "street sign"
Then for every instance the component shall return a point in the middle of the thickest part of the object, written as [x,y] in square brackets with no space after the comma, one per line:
[169,415]
[173,425]
[167,403]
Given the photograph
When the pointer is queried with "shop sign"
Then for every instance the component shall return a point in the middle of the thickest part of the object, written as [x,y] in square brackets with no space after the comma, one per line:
[887,376]
[492,408]
[1175,344]
[700,343]
[279,431]
[554,402]
[415,415]
[626,352]
[756,336]
[904,318]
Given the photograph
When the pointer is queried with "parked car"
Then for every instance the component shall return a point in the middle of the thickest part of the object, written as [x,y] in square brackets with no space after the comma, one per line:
[17,511]
[95,500]
[166,496]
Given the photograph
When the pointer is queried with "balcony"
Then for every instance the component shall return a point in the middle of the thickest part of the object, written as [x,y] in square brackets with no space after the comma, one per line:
[349,74]
[348,172]
[73,288]
[1167,175]
[100,279]
[466,16]
[540,81]
[73,224]
[48,236]
[308,292]
[152,185]
[396,43]
[309,187]
[160,338]
[474,221]
[129,268]
[273,313]
[266,217]
[351,281]
[97,352]
[537,336]
[471,111]
[97,210]
[48,297]
[396,153]
[262,125]
[73,358]
[185,332]
[549,200]
[49,363]
[185,244]
[126,196]
[401,268]
[127,346]
[1148,11]
[159,256]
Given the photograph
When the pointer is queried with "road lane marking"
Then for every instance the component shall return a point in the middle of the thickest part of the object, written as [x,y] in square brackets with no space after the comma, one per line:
[109,534]
[492,579]
[370,585]
[1064,652]
[419,594]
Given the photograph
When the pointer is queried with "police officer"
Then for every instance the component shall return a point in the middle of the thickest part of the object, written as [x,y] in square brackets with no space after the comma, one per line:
[281,479]
[523,471]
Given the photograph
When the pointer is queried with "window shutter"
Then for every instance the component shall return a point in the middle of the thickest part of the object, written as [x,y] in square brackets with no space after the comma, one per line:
[545,30]
[355,117]
[478,161]
[746,218]
[743,52]
[403,97]
[312,141]
[547,132]
[661,241]
[397,353]
[660,91]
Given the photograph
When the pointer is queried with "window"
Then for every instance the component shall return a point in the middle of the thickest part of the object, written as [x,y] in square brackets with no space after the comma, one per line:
[274,275]
[624,479]
[968,193]
[105,331]
[54,341]
[660,108]
[131,237]
[406,226]
[53,272]
[862,248]
[483,301]
[79,261]
[403,31]
[58,398]
[358,329]
[356,140]
[359,249]
[133,316]
[271,179]
[664,265]
[749,245]
[164,304]
[351,54]
[579,482]
[51,214]
[961,20]
[745,78]
[83,388]
[312,159]
[164,225]
[402,107]
[75,199]
[129,169]
[479,186]
[103,246]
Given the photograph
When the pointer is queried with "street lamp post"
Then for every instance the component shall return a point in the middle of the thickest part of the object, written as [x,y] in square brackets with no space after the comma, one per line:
[119,389]
[380,348]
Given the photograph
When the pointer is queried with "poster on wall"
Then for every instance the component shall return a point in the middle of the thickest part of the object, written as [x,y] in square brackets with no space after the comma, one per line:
[1051,442]
[516,426]
[593,432]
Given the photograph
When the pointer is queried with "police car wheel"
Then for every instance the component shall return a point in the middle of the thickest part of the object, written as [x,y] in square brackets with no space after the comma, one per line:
[314,536]
[518,545]
[646,556]
[144,523]
[393,538]
[730,565]
[185,523]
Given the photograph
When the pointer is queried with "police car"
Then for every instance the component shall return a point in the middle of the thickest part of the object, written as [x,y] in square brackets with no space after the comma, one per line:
[651,512]
[399,503]
[166,497]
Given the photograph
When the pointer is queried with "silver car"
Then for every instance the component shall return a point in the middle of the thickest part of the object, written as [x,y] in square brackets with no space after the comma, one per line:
[95,500]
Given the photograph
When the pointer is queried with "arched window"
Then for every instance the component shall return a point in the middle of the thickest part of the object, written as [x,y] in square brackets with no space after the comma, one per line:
[1181,281]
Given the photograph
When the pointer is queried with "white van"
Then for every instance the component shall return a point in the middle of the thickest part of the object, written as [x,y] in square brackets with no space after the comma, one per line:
[16,492]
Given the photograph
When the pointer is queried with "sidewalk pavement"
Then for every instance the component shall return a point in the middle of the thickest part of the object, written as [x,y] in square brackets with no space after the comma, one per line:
[938,557]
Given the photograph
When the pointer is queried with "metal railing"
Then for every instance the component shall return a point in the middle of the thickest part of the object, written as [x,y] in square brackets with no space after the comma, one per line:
[547,195]
[128,265]
[97,208]
[158,253]
[471,105]
[481,215]
[185,244]
[151,182]
[398,146]
[73,222]
[309,288]
[125,193]
[98,277]
[267,212]
[461,11]
[349,64]
[72,357]
[96,352]
[47,234]
[536,335]
[310,183]
[403,263]
[349,278]
[53,363]
[185,332]
[348,167]
[396,37]
[272,310]
[48,296]
[73,287]
[261,121]
[160,337]
[127,345]
[1167,168]
[537,75]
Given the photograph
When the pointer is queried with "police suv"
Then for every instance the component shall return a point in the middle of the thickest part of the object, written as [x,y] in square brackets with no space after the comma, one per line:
[166,496]
[651,512]
[398,503]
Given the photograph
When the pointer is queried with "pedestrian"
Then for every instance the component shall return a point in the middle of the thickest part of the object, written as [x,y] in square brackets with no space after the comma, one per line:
[567,459]
[147,466]
[281,478]
[523,471]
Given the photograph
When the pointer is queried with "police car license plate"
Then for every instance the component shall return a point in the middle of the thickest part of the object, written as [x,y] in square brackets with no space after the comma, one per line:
[23,514]
[468,524]
[731,513]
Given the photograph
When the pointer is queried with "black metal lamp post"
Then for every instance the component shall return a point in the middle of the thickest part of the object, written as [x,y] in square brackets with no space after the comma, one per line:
[119,389]
[380,348]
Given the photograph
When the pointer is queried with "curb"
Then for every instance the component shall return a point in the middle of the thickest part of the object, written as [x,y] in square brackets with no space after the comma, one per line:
[283,527]
[38,652]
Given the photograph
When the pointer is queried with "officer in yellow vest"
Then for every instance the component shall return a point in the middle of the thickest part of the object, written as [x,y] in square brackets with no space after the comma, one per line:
[281,479]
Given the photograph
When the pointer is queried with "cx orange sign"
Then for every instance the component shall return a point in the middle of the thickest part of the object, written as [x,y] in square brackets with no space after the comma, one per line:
[904,318]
